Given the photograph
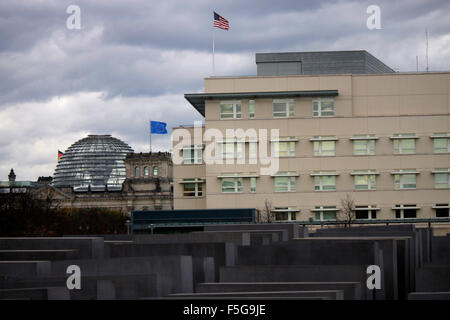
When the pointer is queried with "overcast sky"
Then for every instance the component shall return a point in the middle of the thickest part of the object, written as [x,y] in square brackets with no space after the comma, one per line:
[133,60]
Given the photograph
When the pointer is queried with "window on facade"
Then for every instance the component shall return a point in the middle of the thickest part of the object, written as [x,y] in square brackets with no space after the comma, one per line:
[323,107]
[137,172]
[231,185]
[251,108]
[365,212]
[284,148]
[441,145]
[365,182]
[252,150]
[192,154]
[325,213]
[252,184]
[145,171]
[405,211]
[232,150]
[325,183]
[194,189]
[324,147]
[285,213]
[230,110]
[285,184]
[405,181]
[155,171]
[442,180]
[283,108]
[404,144]
[363,147]
[442,210]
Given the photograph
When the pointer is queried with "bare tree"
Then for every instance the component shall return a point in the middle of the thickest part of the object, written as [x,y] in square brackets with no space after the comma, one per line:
[268,214]
[348,210]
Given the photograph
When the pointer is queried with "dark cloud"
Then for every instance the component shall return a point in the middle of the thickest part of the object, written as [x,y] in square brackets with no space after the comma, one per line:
[133,60]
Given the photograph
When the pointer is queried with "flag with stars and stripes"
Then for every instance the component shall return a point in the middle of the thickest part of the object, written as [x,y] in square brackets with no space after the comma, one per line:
[220,22]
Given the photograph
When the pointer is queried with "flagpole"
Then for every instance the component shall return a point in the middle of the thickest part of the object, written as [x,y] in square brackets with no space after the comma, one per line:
[213,47]
[150,123]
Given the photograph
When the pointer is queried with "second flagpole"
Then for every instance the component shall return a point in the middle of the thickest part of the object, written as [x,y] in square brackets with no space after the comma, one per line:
[213,48]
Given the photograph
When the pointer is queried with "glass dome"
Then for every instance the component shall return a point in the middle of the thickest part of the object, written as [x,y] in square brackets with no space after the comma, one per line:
[96,161]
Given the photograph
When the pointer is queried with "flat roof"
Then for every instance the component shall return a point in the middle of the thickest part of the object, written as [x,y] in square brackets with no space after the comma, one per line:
[197,100]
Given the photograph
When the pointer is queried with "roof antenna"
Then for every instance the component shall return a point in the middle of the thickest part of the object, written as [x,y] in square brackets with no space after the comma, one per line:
[426,37]
[417,63]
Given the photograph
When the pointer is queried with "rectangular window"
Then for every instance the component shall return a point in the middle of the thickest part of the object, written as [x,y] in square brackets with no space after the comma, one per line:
[251,108]
[405,211]
[441,145]
[285,184]
[281,216]
[363,147]
[231,185]
[252,150]
[405,181]
[192,189]
[365,182]
[442,180]
[404,144]
[443,212]
[232,150]
[323,107]
[283,108]
[252,184]
[365,212]
[324,148]
[284,148]
[325,213]
[285,213]
[230,110]
[325,183]
[192,154]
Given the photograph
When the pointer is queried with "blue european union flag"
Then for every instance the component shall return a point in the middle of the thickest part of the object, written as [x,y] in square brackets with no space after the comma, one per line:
[158,127]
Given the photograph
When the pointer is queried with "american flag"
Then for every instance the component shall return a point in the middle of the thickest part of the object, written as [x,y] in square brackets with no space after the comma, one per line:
[220,22]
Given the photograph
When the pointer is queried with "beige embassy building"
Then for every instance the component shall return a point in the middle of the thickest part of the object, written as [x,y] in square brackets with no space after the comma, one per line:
[379,136]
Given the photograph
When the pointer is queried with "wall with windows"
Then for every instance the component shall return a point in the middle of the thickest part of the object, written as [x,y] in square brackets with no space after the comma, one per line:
[382,135]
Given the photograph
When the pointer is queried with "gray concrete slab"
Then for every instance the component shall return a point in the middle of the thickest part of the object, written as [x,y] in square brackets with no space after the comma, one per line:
[331,294]
[352,290]
[305,273]
[433,277]
[237,238]
[49,293]
[33,255]
[25,268]
[175,273]
[222,253]
[125,286]
[441,250]
[88,247]
[293,230]
[429,296]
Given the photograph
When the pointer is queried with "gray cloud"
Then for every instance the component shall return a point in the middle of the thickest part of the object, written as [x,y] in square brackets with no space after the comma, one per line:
[134,60]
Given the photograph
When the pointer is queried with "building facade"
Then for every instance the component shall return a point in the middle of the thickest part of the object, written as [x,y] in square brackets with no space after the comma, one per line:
[147,186]
[381,138]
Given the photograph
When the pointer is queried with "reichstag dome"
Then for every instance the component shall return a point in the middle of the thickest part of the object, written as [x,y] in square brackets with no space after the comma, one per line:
[95,162]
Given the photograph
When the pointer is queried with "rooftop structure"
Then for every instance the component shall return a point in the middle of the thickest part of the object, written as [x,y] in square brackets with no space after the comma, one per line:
[319,62]
[96,161]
